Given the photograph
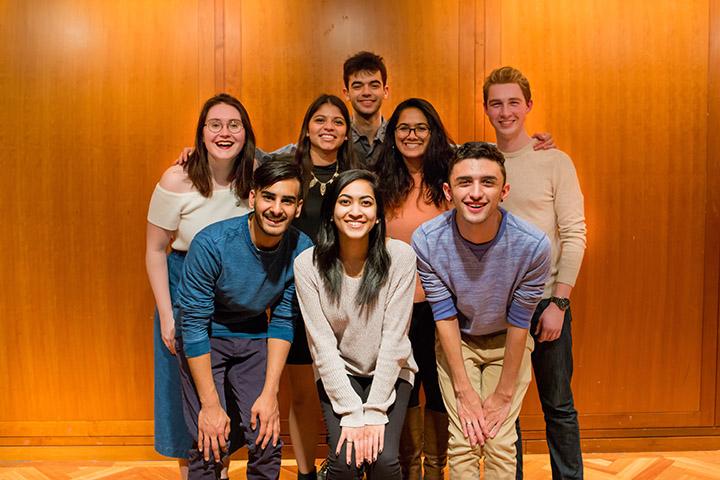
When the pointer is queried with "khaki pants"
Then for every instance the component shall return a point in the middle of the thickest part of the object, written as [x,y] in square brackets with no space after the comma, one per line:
[483,357]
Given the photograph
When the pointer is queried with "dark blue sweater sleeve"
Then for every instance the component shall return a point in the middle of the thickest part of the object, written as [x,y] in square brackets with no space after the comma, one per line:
[283,315]
[196,294]
[286,310]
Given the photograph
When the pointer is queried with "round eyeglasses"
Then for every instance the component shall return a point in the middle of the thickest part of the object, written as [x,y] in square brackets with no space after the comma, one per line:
[421,130]
[215,125]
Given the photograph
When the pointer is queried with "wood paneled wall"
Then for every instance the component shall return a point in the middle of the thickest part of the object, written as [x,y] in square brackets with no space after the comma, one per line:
[99,97]
[284,56]
[628,101]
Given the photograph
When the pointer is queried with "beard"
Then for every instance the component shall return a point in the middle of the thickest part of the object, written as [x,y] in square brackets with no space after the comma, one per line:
[270,230]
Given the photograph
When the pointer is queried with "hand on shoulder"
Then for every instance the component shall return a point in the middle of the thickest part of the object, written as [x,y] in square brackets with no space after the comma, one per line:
[176,180]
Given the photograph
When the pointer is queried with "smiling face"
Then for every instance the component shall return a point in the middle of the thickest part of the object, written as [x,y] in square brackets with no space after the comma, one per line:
[476,188]
[366,92]
[327,130]
[355,212]
[506,109]
[275,207]
[223,145]
[412,134]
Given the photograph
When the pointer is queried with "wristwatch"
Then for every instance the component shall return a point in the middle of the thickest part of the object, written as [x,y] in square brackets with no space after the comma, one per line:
[561,302]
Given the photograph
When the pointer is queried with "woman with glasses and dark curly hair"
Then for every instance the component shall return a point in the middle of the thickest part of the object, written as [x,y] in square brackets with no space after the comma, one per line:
[213,185]
[355,291]
[412,168]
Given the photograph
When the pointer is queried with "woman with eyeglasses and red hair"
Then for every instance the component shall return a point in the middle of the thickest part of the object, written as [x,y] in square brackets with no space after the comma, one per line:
[212,185]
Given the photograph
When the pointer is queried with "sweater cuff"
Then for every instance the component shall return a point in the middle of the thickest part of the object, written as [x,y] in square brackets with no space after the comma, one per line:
[373,417]
[518,316]
[280,332]
[354,419]
[195,349]
[443,309]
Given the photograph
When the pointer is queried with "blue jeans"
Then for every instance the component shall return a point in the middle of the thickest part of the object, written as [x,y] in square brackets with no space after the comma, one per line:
[553,366]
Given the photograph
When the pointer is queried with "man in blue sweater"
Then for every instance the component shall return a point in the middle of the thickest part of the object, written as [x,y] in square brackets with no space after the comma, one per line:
[235,271]
[483,271]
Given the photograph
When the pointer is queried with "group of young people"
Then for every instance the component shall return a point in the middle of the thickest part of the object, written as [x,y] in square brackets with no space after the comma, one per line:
[369,259]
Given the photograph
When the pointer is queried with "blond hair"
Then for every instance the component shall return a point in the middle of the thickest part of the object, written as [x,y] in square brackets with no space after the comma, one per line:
[507,75]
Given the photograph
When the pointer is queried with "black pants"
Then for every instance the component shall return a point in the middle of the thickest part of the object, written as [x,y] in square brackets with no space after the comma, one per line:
[422,339]
[238,365]
[387,465]
[553,367]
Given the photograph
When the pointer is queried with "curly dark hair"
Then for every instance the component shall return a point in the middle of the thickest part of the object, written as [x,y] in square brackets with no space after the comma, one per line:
[364,62]
[395,179]
[484,150]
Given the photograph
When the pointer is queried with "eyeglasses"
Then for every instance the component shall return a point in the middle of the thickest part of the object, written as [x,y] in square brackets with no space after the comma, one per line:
[421,130]
[215,125]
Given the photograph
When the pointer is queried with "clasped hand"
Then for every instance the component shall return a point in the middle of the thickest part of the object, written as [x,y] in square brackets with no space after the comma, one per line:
[481,420]
[367,442]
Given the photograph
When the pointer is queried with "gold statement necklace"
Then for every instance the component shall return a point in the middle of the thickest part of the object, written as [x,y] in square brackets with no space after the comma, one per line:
[323,185]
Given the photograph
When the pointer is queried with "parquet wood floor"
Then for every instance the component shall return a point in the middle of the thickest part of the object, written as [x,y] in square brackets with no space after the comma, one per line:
[598,466]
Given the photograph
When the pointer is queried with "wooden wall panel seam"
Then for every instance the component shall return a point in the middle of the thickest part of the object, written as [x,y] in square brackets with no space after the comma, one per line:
[233,55]
[492,52]
[219,45]
[467,46]
[712,212]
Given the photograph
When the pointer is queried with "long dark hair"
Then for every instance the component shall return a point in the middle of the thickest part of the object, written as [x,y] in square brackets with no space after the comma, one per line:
[396,181]
[197,166]
[345,157]
[327,250]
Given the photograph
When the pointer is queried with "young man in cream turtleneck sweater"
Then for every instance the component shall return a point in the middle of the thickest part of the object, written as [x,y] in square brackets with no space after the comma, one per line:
[545,192]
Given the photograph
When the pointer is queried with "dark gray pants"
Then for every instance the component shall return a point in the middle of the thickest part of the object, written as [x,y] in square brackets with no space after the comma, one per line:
[387,465]
[238,367]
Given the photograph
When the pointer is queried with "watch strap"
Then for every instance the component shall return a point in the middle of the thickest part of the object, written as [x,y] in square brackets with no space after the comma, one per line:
[562,302]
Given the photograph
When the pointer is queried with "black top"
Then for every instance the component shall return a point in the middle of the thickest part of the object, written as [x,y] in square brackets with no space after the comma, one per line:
[309,221]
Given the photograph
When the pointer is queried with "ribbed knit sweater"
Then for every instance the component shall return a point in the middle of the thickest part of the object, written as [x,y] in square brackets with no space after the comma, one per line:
[345,339]
[485,288]
[544,190]
[228,284]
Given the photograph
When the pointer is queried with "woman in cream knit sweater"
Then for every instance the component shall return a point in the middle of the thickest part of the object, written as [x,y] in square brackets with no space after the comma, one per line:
[355,290]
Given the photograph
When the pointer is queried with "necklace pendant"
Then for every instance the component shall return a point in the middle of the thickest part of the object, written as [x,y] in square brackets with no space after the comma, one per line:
[313,182]
[322,189]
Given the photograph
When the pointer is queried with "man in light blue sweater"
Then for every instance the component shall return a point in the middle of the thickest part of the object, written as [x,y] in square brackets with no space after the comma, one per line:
[235,271]
[483,271]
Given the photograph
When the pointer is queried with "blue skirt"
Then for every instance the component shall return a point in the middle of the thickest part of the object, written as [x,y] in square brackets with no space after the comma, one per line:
[172,438]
